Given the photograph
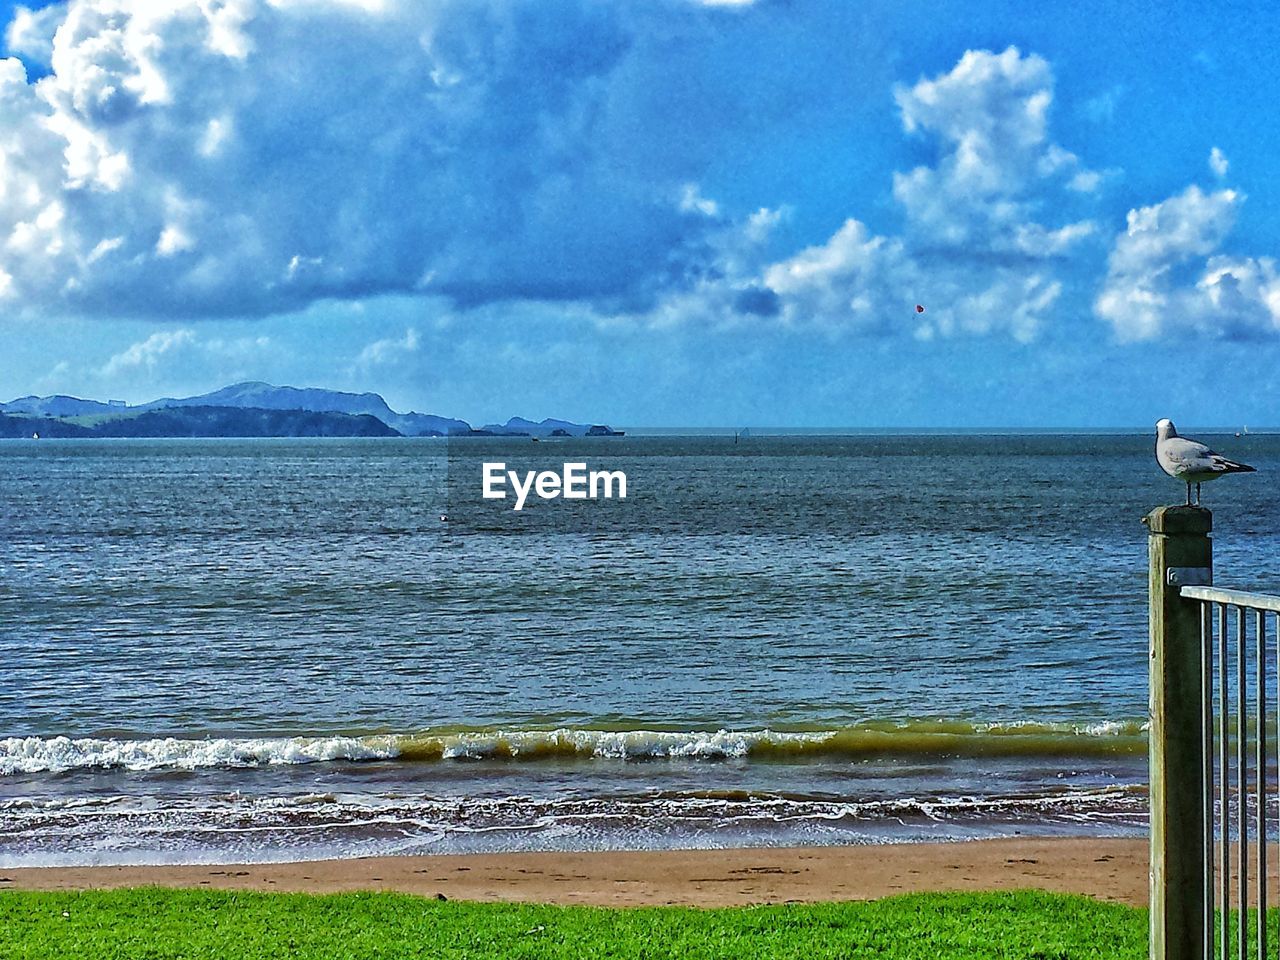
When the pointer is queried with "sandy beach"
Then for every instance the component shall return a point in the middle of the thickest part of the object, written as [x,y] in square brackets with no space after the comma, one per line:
[1109,869]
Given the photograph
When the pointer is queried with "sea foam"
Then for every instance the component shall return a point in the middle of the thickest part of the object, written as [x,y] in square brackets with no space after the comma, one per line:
[28,755]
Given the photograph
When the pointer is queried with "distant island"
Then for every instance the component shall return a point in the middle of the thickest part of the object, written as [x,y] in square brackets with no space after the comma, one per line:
[256,409]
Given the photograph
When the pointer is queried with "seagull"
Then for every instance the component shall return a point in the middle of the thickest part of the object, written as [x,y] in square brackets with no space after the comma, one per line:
[1191,461]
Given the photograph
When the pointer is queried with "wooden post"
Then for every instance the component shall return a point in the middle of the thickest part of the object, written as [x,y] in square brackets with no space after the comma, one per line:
[1180,553]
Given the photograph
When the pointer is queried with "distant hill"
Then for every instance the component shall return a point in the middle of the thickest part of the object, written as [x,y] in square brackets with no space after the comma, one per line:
[522,427]
[58,406]
[63,416]
[264,396]
[205,422]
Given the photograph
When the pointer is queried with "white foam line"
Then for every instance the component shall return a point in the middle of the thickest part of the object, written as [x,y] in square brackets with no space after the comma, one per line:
[27,755]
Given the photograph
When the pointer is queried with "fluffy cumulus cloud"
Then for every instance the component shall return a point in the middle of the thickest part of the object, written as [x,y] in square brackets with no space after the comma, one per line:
[983,242]
[978,249]
[251,157]
[30,32]
[388,349]
[853,279]
[1167,273]
[989,117]
[182,346]
[145,354]
[988,243]
[246,157]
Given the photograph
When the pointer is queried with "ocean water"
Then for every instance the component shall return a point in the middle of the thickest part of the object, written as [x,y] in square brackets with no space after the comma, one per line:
[278,649]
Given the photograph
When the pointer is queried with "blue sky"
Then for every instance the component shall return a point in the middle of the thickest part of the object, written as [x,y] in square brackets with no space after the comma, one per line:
[668,212]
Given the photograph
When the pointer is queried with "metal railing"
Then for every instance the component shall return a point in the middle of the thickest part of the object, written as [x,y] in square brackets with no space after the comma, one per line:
[1208,748]
[1248,663]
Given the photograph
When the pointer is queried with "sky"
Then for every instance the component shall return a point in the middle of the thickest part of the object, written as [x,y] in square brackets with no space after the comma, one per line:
[649,212]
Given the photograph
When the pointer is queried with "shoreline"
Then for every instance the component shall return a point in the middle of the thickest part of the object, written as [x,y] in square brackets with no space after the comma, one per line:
[1110,869]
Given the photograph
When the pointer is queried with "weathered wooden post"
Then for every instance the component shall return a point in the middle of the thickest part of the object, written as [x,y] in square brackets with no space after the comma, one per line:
[1181,554]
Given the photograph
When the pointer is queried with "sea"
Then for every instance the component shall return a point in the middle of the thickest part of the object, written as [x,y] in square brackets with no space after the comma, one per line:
[288,649]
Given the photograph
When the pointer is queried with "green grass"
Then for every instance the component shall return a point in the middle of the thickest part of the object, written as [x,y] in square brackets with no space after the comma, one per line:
[155,923]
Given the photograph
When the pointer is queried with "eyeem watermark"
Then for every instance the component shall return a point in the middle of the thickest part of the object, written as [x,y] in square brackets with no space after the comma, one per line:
[573,482]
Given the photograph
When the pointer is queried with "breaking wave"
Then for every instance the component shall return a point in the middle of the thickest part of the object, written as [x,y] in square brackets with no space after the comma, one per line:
[20,755]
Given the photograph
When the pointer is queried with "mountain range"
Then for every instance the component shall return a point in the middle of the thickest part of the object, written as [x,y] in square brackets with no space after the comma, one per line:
[256,409]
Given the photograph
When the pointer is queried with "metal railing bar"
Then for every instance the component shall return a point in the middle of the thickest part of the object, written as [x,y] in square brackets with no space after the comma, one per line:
[1242,781]
[1260,766]
[1237,598]
[1224,781]
[1206,741]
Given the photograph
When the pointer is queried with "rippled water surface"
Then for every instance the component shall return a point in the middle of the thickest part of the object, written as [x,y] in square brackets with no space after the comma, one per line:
[272,649]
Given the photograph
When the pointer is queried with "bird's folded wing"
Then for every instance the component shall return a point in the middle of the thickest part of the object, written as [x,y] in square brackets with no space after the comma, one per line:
[1181,450]
[1223,465]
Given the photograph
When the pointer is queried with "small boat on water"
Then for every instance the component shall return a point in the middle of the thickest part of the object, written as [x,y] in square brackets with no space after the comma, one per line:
[35,436]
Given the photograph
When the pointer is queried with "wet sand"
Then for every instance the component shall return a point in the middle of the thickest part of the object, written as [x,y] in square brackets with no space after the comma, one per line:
[1109,869]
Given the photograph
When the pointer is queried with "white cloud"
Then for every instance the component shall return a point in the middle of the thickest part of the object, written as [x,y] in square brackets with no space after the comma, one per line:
[56,377]
[1086,181]
[170,356]
[30,32]
[256,156]
[196,159]
[217,133]
[146,354]
[976,252]
[1190,224]
[692,201]
[866,283]
[852,280]
[172,240]
[237,348]
[389,349]
[720,279]
[1218,162]
[1166,274]
[989,116]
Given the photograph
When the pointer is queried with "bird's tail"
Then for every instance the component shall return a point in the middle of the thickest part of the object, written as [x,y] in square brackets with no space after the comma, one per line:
[1230,466]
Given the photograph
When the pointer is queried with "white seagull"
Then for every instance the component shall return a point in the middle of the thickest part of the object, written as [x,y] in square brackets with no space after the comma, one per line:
[1191,461]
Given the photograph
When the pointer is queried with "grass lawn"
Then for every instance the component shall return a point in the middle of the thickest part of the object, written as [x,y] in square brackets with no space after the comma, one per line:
[155,923]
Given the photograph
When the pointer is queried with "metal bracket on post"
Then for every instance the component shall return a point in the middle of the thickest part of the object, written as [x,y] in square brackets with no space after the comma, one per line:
[1190,576]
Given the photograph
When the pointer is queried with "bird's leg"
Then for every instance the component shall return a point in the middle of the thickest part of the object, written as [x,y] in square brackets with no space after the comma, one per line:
[1188,493]
[1197,494]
